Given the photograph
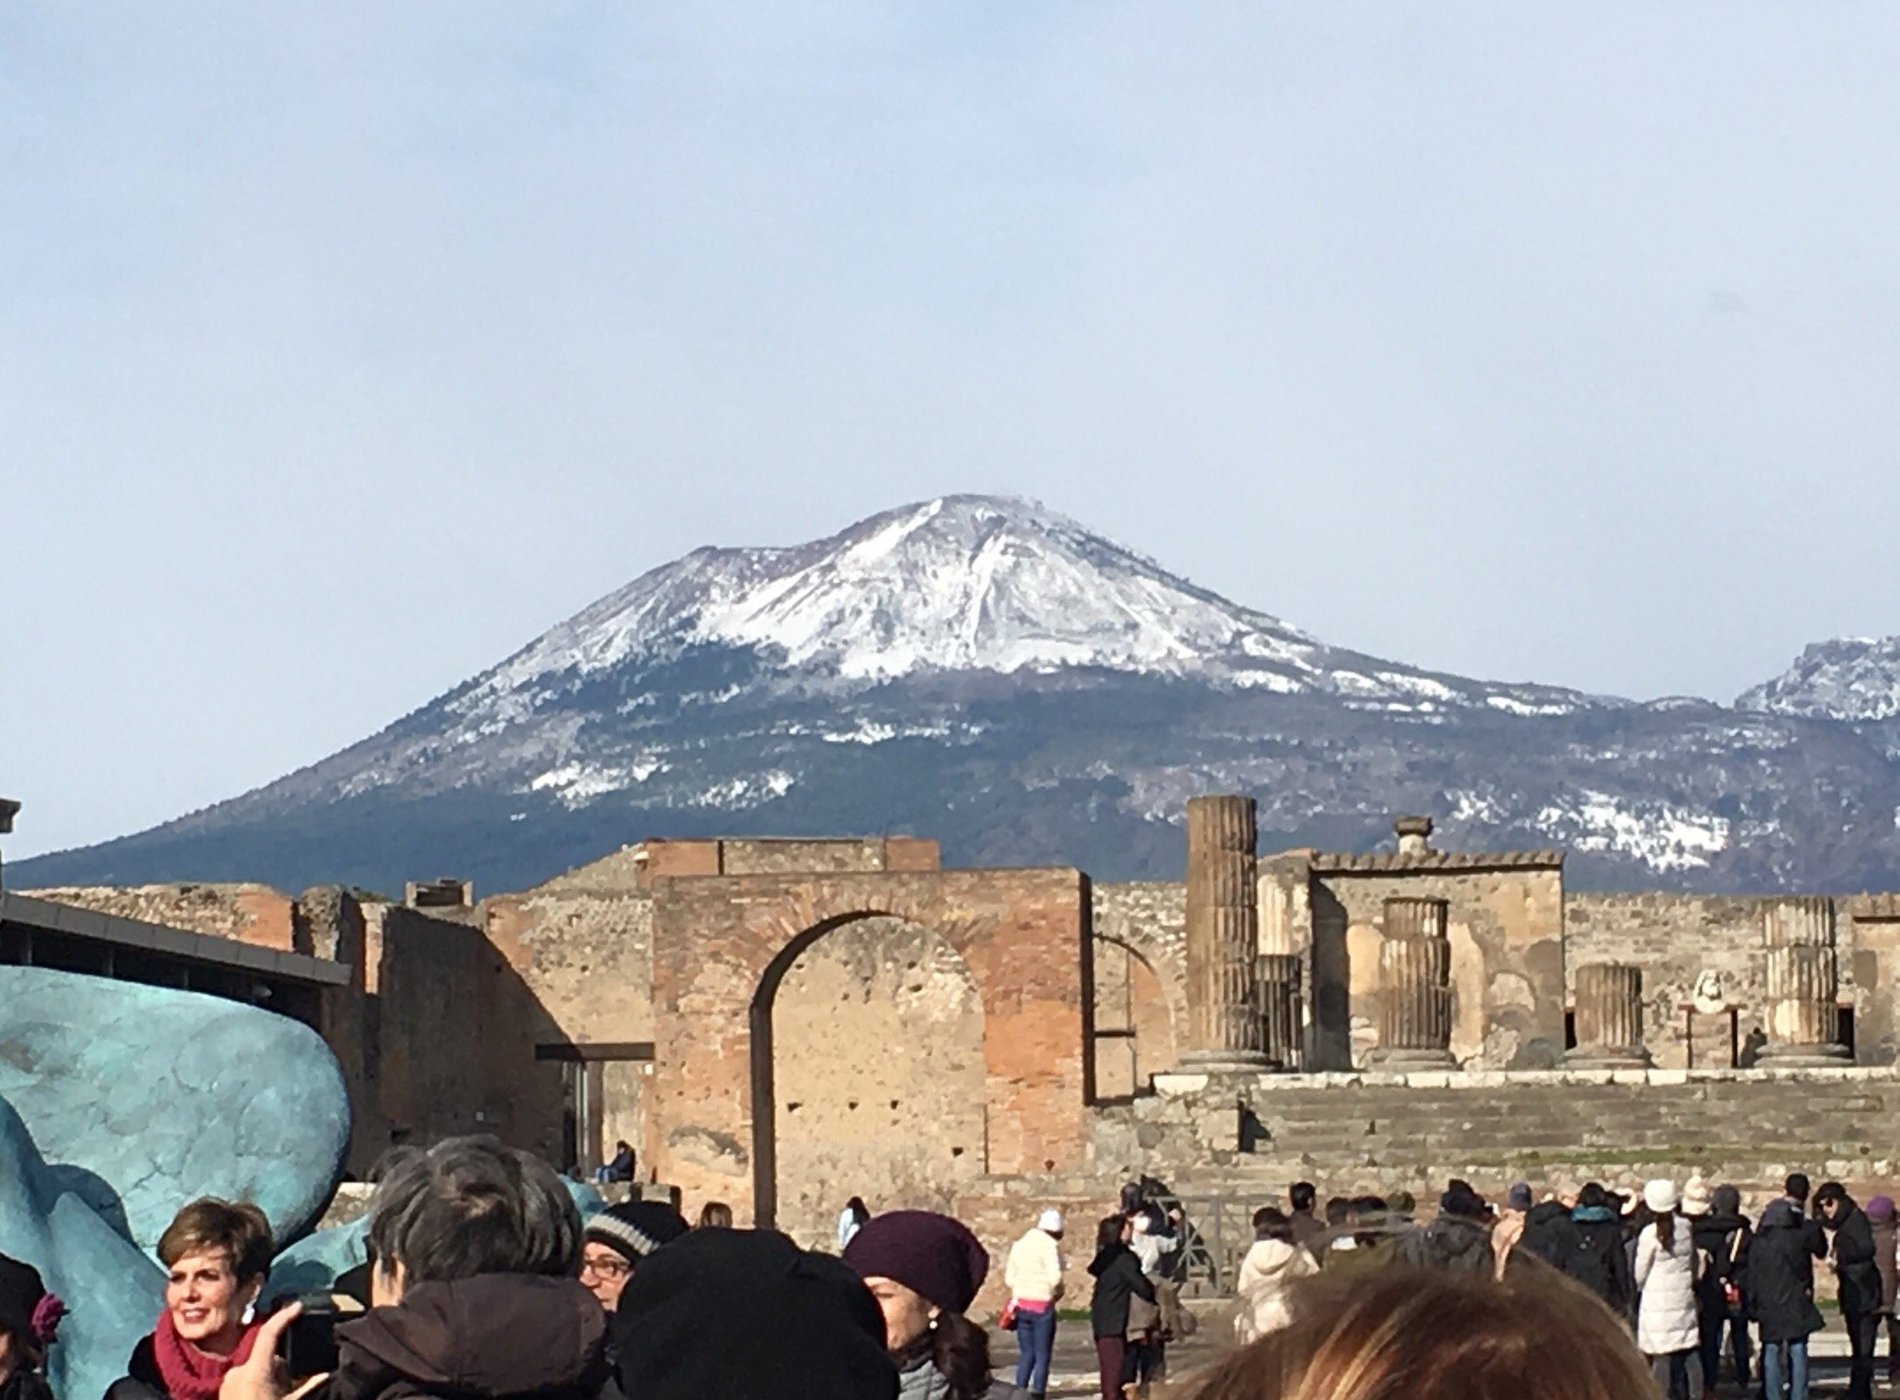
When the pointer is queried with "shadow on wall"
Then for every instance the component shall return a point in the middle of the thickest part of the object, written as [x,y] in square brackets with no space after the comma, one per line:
[1749,1055]
[1330,1046]
[456,1042]
[1132,1034]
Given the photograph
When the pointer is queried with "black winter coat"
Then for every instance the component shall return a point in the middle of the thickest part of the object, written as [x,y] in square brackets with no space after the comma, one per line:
[1854,1262]
[1451,1243]
[1726,1240]
[1549,1234]
[1781,1276]
[142,1380]
[1601,1263]
[1118,1278]
[484,1338]
[26,1384]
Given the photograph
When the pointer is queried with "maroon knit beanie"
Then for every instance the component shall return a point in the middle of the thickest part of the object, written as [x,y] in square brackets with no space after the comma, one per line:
[930,1254]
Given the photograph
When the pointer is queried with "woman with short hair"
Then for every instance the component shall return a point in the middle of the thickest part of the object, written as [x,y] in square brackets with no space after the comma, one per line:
[216,1255]
[475,1248]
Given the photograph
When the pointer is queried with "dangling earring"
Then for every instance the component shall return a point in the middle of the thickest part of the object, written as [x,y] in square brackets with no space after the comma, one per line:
[933,1322]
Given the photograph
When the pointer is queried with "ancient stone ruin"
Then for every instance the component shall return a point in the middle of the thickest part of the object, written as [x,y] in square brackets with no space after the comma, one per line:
[781,1024]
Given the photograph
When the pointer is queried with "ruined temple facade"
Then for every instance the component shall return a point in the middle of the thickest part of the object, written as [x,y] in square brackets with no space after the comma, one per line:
[781,1024]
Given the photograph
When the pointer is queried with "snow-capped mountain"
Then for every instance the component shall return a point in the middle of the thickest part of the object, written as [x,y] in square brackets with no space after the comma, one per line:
[1848,678]
[964,583]
[990,672]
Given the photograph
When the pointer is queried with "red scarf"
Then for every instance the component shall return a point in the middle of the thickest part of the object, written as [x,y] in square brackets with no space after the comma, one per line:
[191,1374]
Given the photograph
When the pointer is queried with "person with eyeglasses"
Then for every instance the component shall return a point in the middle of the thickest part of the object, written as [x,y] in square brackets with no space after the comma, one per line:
[618,1238]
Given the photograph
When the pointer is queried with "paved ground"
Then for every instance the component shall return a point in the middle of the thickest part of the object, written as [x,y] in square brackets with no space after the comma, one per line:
[1075,1375]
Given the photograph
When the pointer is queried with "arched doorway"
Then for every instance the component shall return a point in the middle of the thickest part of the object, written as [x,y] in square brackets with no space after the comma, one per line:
[1134,1029]
[722,944]
[868,1074]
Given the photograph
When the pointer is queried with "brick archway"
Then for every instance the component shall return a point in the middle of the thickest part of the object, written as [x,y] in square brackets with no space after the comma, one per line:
[721,943]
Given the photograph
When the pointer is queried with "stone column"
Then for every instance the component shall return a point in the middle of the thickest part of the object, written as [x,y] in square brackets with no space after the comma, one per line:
[1278,978]
[1415,986]
[1223,936]
[1803,1019]
[1609,1018]
[1417,918]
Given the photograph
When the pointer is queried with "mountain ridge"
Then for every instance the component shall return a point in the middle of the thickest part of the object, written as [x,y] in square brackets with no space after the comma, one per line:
[988,670]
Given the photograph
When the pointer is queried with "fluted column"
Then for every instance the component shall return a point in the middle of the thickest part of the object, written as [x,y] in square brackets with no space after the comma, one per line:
[1223,935]
[1415,985]
[1609,1017]
[1278,980]
[1417,918]
[1803,1019]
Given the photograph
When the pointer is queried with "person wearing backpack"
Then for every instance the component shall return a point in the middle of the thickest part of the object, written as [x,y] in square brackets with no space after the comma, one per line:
[1723,1233]
[1598,1260]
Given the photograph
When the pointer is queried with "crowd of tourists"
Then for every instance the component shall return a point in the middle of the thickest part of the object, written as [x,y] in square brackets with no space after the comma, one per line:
[1711,1297]
[483,1282]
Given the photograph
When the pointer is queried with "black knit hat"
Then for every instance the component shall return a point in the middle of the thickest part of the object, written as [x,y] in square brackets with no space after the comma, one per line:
[28,1312]
[748,1313]
[636,1228]
[930,1254]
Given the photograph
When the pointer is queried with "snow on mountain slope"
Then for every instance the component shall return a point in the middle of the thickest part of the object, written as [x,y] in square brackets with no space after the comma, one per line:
[986,670]
[1849,678]
[963,583]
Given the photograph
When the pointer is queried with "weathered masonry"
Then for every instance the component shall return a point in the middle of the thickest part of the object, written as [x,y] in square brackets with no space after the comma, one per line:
[781,1024]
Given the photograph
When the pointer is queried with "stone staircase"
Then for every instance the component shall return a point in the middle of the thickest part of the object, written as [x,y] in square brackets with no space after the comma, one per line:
[1744,1126]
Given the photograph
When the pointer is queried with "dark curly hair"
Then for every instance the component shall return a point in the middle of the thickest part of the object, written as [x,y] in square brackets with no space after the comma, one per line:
[959,1349]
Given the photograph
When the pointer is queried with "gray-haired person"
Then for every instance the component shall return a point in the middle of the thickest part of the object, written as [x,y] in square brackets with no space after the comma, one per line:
[474,1255]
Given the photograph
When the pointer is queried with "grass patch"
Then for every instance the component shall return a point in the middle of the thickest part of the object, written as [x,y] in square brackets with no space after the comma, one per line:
[1648,1156]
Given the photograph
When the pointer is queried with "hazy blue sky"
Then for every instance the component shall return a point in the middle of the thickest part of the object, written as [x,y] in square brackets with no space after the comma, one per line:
[342,349]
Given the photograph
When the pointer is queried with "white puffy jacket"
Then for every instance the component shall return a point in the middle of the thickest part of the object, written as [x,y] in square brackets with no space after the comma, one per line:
[1666,1314]
[1269,1270]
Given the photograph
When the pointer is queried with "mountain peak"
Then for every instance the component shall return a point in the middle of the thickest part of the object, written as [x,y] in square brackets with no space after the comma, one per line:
[957,583]
[986,669]
[1846,678]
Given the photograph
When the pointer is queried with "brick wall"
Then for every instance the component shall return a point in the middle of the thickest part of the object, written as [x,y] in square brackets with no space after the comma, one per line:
[718,942]
[452,1032]
[254,914]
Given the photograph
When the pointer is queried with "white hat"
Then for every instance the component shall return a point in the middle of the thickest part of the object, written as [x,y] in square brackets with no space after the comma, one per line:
[1696,1197]
[1050,1221]
[1661,1196]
